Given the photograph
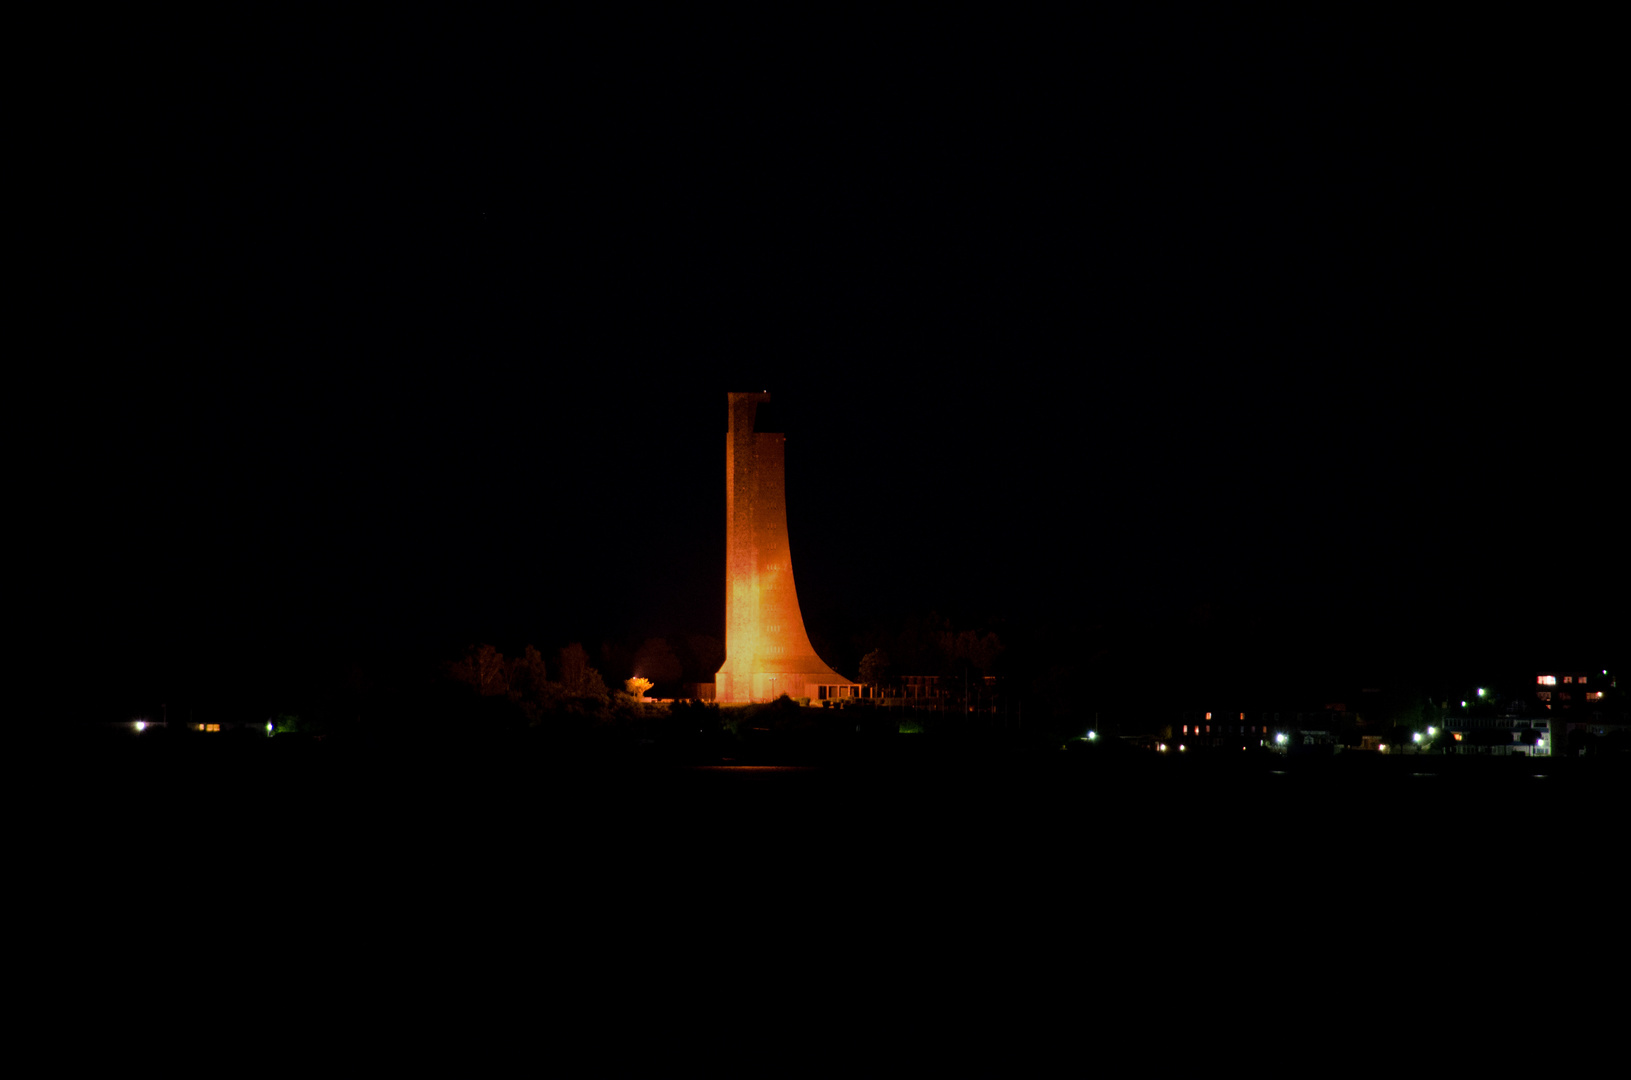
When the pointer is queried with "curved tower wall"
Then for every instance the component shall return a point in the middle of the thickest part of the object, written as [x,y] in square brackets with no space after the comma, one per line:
[767,650]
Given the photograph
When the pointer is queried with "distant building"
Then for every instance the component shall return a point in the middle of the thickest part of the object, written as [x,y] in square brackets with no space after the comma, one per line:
[931,692]
[1570,691]
[1501,735]
[1581,703]
[1233,728]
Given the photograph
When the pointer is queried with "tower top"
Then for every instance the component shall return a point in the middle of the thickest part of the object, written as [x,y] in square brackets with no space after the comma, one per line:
[744,413]
[767,649]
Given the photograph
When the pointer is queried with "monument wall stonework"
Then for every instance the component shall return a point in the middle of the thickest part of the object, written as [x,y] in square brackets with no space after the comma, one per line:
[767,650]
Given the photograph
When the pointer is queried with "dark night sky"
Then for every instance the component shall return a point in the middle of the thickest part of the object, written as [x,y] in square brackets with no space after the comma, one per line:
[424,333]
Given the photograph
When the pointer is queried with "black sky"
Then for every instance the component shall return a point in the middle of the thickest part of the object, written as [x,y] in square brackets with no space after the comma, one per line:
[423,334]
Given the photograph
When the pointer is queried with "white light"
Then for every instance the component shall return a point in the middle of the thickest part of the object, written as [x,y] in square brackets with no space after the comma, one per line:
[1480,691]
[1432,731]
[1415,736]
[268,727]
[1181,747]
[141,725]
[1463,704]
[1091,735]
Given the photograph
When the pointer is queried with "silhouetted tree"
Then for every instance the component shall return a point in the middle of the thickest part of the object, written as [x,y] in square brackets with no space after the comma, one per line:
[482,667]
[972,650]
[616,659]
[656,661]
[875,667]
[578,679]
[530,687]
[702,656]
[528,678]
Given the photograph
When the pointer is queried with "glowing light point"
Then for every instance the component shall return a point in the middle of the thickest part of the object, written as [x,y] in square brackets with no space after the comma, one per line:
[1480,691]
[141,725]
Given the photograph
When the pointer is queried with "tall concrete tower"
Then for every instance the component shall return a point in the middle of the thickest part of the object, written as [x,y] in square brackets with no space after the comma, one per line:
[767,651]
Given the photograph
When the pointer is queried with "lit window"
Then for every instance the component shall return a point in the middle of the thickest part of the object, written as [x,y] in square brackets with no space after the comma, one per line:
[1581,679]
[1186,729]
[1243,716]
[1209,716]
[1594,695]
[1568,678]
[1544,695]
[1546,680]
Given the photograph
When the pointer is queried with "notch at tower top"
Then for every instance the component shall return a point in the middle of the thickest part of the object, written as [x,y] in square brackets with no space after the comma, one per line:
[767,650]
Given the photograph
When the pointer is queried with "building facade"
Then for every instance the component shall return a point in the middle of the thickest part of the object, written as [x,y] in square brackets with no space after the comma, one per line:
[767,650]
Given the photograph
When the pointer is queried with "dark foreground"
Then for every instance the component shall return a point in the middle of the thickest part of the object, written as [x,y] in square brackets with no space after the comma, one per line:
[1133,831]
[1001,893]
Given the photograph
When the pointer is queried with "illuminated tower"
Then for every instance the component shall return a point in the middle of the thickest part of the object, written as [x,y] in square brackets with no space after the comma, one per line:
[767,652]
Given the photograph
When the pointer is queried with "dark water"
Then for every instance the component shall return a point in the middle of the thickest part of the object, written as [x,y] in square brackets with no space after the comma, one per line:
[620,895]
[260,822]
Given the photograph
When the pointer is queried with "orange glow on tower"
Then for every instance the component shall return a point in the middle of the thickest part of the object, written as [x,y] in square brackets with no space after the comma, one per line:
[767,651]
